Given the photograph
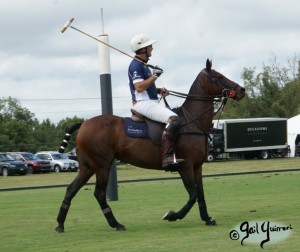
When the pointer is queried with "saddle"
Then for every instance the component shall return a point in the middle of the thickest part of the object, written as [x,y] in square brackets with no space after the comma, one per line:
[142,127]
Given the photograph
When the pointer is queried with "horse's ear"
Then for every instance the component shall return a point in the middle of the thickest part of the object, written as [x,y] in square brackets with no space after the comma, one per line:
[208,65]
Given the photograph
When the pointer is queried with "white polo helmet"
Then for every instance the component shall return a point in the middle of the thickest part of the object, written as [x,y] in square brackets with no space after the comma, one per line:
[141,41]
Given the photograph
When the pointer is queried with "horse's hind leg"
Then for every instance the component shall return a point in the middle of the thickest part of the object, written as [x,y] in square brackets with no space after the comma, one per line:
[81,179]
[100,194]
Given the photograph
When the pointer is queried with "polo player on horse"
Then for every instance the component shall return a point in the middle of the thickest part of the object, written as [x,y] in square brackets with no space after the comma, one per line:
[145,97]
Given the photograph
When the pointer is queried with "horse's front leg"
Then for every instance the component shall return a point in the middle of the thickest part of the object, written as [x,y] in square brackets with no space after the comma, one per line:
[201,200]
[190,186]
[174,216]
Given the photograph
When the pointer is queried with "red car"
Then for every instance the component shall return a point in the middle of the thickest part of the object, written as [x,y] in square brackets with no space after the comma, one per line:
[37,165]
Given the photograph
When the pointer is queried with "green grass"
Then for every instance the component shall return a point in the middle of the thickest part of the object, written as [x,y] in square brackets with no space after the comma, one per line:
[126,172]
[28,217]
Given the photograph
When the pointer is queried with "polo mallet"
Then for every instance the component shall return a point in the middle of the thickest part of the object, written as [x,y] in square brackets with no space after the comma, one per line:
[68,24]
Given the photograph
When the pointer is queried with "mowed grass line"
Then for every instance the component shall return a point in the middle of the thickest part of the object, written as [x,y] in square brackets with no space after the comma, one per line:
[27,218]
[129,172]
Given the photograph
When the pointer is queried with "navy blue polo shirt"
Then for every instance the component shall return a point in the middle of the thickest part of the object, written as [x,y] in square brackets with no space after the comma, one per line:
[138,72]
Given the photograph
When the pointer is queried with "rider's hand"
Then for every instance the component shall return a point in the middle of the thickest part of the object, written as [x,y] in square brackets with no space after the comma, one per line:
[157,71]
[163,92]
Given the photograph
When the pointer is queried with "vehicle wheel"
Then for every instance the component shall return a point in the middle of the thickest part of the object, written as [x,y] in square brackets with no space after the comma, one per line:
[210,158]
[5,172]
[264,154]
[57,168]
[30,170]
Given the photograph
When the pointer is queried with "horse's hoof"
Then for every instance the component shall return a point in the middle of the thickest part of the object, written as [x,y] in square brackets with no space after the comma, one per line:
[120,228]
[170,216]
[59,229]
[211,222]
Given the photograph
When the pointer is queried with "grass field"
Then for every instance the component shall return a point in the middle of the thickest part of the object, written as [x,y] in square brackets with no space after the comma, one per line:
[128,172]
[28,217]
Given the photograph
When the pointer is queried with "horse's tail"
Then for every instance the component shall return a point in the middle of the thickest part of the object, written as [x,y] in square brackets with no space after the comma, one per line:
[67,136]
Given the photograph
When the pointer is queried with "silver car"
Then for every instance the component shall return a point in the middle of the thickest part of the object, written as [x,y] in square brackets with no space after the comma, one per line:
[58,161]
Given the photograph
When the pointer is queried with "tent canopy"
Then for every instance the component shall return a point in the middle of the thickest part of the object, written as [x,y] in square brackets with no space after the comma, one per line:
[293,131]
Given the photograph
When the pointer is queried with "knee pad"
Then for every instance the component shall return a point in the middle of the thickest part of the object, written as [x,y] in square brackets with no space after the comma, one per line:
[173,125]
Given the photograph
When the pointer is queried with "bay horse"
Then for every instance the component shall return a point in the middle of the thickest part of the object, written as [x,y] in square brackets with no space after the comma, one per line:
[102,139]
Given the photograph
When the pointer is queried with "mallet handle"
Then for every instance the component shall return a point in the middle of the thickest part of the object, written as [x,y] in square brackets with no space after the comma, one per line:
[111,46]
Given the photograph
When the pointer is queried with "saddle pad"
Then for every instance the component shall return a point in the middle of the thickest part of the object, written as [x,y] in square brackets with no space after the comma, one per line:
[135,129]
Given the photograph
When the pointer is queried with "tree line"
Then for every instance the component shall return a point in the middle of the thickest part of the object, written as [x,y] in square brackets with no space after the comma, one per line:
[20,130]
[272,92]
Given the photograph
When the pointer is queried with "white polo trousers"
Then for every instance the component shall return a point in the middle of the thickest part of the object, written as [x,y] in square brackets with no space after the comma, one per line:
[153,110]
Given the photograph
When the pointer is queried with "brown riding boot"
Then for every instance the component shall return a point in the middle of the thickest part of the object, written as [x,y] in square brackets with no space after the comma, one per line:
[168,154]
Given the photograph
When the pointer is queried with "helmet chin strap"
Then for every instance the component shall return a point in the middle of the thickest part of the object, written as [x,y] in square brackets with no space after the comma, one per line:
[147,54]
[147,57]
[144,51]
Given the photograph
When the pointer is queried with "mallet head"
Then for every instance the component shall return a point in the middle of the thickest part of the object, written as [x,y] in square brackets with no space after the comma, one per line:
[67,25]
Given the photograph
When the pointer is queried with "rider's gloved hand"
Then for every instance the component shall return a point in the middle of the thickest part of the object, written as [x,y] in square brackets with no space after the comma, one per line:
[157,71]
[163,92]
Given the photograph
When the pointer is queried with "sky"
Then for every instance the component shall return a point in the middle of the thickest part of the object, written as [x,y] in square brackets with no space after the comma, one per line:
[56,75]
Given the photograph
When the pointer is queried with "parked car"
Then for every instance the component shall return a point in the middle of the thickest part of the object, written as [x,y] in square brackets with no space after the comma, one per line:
[9,166]
[58,161]
[37,165]
[71,155]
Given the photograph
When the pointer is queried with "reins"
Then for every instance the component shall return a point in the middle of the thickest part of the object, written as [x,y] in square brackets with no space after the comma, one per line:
[194,97]
[223,97]
[215,98]
[226,93]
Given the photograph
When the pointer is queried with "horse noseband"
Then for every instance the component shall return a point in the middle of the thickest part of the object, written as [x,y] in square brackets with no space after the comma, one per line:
[232,93]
